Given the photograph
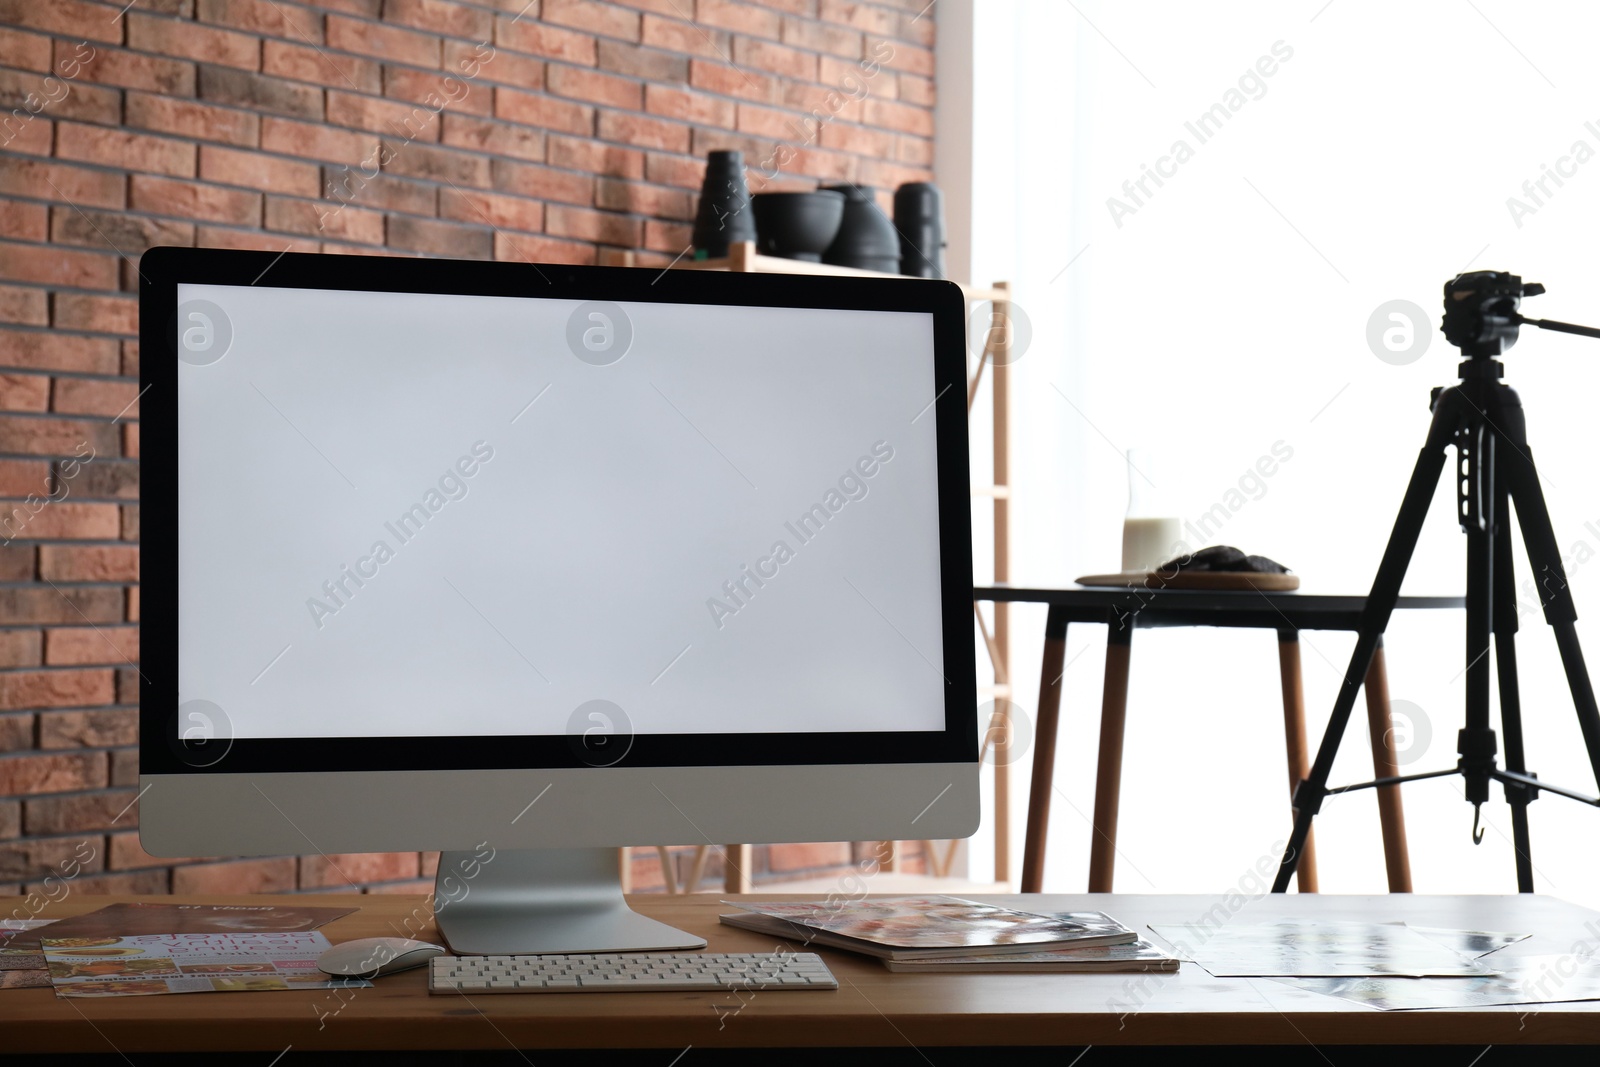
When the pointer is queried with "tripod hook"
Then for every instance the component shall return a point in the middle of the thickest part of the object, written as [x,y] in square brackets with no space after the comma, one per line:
[1477,832]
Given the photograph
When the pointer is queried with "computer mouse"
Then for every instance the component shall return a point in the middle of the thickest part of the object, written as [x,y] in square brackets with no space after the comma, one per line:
[373,957]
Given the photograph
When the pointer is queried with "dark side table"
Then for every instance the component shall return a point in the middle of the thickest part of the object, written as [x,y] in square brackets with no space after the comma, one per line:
[1124,610]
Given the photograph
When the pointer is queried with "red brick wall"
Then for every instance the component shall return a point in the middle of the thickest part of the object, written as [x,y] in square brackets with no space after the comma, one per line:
[477,129]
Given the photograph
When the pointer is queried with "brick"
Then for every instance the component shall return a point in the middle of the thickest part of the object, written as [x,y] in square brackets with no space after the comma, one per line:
[127,235]
[857,139]
[30,222]
[562,220]
[915,90]
[721,78]
[79,646]
[45,97]
[698,108]
[126,70]
[50,351]
[257,170]
[135,883]
[65,521]
[686,38]
[130,359]
[492,209]
[236,876]
[10,819]
[440,237]
[80,563]
[25,134]
[821,37]
[917,151]
[19,648]
[647,63]
[57,772]
[55,689]
[666,237]
[189,119]
[418,160]
[61,181]
[128,679]
[495,138]
[861,16]
[576,153]
[242,88]
[437,92]
[130,522]
[777,58]
[896,116]
[485,64]
[88,729]
[192,200]
[25,51]
[24,606]
[642,132]
[317,142]
[744,18]
[437,16]
[343,870]
[208,44]
[591,17]
[536,109]
[324,218]
[525,179]
[126,853]
[525,248]
[28,307]
[653,200]
[19,477]
[298,62]
[16,565]
[101,478]
[382,192]
[70,18]
[119,148]
[264,17]
[781,125]
[57,266]
[386,42]
[24,392]
[407,122]
[597,88]
[805,857]
[550,42]
[675,170]
[125,763]
[44,857]
[367,9]
[16,732]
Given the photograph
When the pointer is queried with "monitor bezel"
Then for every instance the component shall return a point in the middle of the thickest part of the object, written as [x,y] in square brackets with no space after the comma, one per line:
[163,269]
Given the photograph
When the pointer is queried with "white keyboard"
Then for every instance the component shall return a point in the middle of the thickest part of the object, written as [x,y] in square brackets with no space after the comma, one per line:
[607,972]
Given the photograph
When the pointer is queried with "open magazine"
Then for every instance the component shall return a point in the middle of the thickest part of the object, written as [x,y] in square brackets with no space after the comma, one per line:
[145,964]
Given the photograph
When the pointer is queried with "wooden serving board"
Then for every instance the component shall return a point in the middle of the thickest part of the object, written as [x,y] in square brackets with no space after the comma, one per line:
[1241,581]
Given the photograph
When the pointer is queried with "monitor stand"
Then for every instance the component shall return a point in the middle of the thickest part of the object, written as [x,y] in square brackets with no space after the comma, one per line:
[516,902]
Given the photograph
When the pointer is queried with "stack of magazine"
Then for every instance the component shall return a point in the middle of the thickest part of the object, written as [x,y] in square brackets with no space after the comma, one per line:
[927,934]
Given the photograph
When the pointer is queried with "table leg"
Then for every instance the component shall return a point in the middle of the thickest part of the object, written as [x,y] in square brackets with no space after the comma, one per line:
[737,862]
[1396,854]
[1044,751]
[1108,777]
[1294,735]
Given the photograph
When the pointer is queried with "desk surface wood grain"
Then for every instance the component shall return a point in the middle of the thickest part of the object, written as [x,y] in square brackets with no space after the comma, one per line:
[872,1007]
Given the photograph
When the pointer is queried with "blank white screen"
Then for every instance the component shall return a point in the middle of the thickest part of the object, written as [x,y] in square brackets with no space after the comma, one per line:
[581,559]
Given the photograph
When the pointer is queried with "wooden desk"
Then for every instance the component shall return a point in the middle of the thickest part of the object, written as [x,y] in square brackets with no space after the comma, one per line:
[872,1007]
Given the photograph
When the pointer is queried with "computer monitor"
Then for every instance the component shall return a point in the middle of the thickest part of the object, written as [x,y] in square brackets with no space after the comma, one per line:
[523,563]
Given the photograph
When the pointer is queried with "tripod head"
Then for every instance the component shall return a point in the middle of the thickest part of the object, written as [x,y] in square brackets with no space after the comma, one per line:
[1482,313]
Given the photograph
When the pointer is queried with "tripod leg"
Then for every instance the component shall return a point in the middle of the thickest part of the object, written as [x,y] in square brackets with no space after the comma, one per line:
[1505,647]
[1559,610]
[1374,620]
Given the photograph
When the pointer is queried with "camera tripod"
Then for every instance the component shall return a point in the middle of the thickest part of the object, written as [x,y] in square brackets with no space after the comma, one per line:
[1483,420]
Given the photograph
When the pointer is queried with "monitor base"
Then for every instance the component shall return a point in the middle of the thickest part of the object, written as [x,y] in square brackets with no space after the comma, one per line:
[522,902]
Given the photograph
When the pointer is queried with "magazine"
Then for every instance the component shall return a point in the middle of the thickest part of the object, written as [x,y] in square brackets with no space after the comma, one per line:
[908,927]
[1135,956]
[20,949]
[149,964]
[1321,949]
